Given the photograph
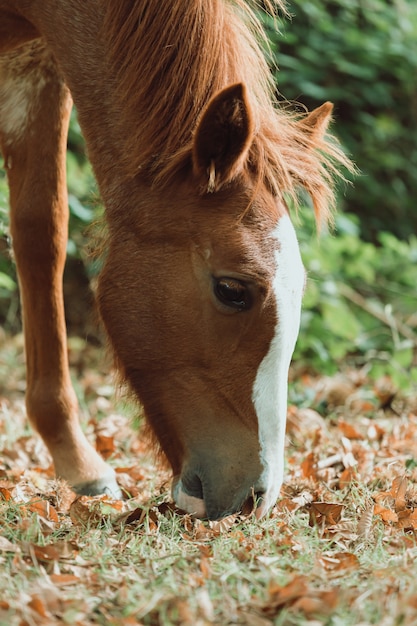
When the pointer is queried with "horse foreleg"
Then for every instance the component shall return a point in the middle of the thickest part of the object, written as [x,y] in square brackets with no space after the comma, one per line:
[34,113]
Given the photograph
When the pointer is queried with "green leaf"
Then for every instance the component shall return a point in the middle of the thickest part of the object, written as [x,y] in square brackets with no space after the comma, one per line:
[340,320]
[7,283]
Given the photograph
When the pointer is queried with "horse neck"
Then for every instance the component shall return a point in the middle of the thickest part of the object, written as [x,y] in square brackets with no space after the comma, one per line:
[71,30]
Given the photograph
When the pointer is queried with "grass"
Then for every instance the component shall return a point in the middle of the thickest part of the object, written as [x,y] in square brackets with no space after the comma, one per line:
[326,555]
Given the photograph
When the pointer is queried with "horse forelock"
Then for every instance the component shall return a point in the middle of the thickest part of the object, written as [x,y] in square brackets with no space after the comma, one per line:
[166,66]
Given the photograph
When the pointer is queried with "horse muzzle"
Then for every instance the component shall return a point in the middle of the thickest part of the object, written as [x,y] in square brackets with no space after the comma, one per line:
[204,501]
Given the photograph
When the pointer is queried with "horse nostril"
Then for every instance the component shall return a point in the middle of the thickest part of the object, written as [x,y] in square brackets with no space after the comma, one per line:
[192,485]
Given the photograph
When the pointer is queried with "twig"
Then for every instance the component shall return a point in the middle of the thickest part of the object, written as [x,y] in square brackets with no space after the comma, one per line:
[383,317]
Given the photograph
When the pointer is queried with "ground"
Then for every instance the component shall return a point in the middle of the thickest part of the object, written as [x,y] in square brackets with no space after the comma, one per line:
[339,548]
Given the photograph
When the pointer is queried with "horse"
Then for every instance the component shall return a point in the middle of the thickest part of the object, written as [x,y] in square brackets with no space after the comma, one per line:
[202,280]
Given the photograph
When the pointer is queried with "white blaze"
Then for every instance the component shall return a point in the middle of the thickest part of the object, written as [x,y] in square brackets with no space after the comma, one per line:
[271,383]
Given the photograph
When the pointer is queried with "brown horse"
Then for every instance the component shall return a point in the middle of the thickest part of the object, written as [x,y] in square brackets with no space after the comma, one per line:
[202,282]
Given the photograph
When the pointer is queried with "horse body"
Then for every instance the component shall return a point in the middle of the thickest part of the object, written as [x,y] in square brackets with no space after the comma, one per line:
[202,283]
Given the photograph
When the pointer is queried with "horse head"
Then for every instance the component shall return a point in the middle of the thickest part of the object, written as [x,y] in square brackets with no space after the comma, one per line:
[201,296]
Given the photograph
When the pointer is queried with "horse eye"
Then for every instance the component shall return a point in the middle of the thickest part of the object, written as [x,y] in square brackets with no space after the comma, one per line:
[233,293]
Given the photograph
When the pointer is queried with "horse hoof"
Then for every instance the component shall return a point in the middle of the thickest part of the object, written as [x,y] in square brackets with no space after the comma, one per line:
[106,485]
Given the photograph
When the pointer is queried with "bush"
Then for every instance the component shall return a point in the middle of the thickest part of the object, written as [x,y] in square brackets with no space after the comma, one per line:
[360,303]
[361,55]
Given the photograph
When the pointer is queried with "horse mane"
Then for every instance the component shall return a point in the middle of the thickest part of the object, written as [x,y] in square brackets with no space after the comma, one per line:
[169,58]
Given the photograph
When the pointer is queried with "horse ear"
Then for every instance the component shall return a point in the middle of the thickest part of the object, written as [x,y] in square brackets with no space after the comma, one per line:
[317,121]
[223,137]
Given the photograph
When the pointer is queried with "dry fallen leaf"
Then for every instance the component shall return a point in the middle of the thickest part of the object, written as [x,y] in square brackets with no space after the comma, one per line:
[339,561]
[94,510]
[8,546]
[105,445]
[365,522]
[44,509]
[298,595]
[309,466]
[349,431]
[387,515]
[324,513]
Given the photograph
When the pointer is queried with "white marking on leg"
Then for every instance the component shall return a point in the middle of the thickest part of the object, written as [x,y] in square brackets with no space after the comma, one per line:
[270,389]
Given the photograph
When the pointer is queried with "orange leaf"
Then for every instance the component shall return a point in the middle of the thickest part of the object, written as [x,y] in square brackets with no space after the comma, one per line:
[134,472]
[38,605]
[287,505]
[62,580]
[346,477]
[43,554]
[5,493]
[349,431]
[105,445]
[205,567]
[386,514]
[281,595]
[407,519]
[44,509]
[309,466]
[318,602]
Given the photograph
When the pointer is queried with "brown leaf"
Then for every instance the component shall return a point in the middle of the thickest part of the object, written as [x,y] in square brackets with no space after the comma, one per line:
[93,510]
[140,516]
[346,477]
[42,554]
[322,603]
[387,515]
[63,580]
[407,520]
[6,489]
[338,561]
[324,513]
[287,505]
[280,595]
[44,509]
[398,489]
[365,522]
[224,525]
[252,619]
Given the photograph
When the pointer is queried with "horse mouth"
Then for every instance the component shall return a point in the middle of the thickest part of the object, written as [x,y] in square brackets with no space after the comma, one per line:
[191,501]
[192,504]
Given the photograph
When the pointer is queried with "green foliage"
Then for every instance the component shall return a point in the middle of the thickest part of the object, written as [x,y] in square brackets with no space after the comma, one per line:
[83,201]
[360,301]
[8,280]
[361,55]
